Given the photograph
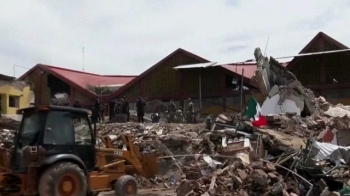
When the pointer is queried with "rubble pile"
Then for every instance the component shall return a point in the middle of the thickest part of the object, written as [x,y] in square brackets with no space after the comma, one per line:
[240,178]
[328,119]
[154,138]
[303,149]
[7,128]
[236,169]
[305,137]
[8,123]
[60,99]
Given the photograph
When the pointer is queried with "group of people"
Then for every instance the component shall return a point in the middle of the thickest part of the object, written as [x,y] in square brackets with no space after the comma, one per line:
[120,106]
[175,114]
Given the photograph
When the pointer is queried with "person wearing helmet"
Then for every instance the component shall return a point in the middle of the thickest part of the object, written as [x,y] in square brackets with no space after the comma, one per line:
[179,116]
[172,111]
[190,111]
[155,118]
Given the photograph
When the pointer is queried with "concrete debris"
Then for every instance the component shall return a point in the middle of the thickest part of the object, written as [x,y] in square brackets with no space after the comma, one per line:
[230,159]
[8,127]
[302,150]
[281,88]
[60,99]
[8,123]
[207,167]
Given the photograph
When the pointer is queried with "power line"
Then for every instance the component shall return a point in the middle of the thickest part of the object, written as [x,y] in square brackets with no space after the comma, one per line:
[14,69]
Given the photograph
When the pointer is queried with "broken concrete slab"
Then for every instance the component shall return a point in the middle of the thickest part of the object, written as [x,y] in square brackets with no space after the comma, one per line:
[282,140]
[273,106]
[337,112]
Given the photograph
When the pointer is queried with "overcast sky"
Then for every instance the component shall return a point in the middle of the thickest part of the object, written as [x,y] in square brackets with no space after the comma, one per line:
[129,36]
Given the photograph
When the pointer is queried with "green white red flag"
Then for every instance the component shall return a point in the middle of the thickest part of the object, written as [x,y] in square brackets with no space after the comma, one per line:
[253,112]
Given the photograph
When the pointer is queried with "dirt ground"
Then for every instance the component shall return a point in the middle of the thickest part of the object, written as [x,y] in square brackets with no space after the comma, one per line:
[146,192]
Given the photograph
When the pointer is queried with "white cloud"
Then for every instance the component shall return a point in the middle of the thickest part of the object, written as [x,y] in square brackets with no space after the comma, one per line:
[127,37]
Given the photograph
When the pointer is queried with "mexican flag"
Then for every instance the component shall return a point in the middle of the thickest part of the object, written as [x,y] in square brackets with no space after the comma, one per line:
[253,112]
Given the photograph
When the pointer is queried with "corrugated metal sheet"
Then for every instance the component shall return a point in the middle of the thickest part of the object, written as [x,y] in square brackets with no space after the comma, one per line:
[332,152]
[83,79]
[198,65]
[249,67]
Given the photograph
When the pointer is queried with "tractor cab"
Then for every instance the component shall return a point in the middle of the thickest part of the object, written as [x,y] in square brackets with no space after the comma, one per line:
[54,154]
[53,133]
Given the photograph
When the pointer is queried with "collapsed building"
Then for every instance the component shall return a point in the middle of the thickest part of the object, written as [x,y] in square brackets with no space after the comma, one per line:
[282,88]
[302,150]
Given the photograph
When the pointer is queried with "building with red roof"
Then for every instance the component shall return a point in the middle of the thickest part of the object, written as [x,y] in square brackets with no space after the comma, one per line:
[49,80]
[212,85]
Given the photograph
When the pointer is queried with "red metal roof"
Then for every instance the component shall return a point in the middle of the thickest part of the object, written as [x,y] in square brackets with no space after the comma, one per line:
[84,79]
[80,80]
[249,69]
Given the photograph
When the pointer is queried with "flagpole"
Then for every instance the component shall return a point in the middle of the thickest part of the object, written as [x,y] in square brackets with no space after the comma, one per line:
[241,93]
[242,89]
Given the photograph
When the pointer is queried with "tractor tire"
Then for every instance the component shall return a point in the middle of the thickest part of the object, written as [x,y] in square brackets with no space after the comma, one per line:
[63,179]
[126,186]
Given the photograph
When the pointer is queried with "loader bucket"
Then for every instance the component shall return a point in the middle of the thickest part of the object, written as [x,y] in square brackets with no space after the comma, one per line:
[150,165]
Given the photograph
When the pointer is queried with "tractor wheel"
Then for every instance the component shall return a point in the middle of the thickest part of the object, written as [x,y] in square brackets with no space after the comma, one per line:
[63,179]
[126,186]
